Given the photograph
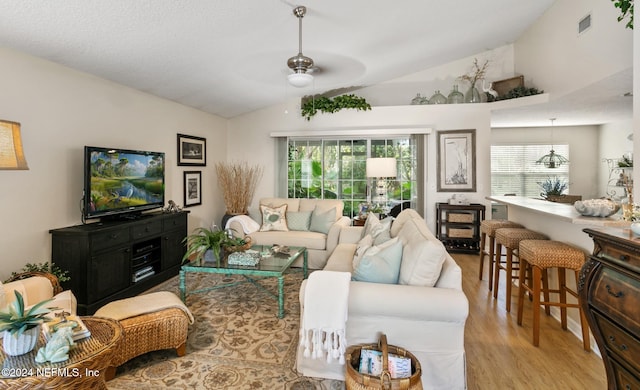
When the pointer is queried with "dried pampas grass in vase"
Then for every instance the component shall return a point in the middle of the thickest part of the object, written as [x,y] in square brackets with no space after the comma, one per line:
[238,182]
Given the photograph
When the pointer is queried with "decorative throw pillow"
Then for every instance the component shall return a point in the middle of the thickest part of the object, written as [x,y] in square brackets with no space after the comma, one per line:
[422,262]
[274,218]
[370,223]
[298,220]
[380,264]
[362,246]
[382,232]
[321,221]
[379,230]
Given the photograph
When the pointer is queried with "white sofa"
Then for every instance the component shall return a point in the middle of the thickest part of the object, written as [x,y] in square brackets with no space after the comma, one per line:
[427,321]
[319,245]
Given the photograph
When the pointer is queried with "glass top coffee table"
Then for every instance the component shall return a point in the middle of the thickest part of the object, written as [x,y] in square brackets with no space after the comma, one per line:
[273,266]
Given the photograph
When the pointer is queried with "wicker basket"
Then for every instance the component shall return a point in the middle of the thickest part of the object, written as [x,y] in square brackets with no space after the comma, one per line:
[460,217]
[238,248]
[460,232]
[354,380]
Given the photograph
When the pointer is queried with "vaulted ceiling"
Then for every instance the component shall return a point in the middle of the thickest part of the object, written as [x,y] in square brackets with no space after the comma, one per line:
[229,57]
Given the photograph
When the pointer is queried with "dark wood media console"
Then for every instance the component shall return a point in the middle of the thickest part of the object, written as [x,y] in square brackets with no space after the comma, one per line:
[119,259]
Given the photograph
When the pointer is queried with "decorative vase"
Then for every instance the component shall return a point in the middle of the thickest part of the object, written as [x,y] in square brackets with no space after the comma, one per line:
[18,344]
[635,228]
[438,98]
[455,96]
[417,100]
[472,95]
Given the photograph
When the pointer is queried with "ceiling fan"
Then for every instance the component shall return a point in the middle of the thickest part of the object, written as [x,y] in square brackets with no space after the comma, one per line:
[300,64]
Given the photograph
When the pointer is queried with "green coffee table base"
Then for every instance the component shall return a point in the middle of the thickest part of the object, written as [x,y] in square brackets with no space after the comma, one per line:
[262,271]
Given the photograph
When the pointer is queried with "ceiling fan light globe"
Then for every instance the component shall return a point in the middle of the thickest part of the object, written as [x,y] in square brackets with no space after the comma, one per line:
[300,80]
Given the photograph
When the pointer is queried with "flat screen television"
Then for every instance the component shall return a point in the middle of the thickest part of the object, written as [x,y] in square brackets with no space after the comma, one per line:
[121,183]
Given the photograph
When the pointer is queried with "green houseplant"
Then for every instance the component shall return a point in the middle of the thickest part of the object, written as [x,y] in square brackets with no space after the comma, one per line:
[329,105]
[553,187]
[207,244]
[21,328]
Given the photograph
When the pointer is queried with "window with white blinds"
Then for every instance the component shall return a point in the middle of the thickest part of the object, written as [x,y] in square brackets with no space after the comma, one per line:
[514,169]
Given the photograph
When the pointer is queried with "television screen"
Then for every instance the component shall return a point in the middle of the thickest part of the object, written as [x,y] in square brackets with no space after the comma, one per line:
[120,182]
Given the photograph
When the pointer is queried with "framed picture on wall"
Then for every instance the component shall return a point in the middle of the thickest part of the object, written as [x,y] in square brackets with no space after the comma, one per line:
[192,188]
[456,161]
[192,150]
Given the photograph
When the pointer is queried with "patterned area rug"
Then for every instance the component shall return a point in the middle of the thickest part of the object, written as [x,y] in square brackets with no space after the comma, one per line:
[237,341]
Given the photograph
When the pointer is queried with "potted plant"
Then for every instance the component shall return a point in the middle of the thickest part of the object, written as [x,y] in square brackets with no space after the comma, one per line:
[21,329]
[204,244]
[238,182]
[209,244]
[553,190]
[325,104]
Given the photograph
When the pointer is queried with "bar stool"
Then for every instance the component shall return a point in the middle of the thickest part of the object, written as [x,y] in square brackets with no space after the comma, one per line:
[488,228]
[510,238]
[537,257]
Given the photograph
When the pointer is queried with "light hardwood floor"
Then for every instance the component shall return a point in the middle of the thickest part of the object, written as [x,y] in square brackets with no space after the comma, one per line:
[500,354]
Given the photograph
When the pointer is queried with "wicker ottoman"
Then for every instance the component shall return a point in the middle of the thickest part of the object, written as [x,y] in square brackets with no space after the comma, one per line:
[166,328]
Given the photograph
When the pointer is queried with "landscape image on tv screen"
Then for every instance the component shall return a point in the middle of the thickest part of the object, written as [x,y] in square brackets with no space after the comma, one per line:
[124,180]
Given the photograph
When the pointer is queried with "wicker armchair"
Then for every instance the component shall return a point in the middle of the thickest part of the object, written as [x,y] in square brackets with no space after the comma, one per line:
[55,283]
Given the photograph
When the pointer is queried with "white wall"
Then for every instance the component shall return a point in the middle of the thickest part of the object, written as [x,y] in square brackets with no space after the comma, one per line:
[553,57]
[583,148]
[61,110]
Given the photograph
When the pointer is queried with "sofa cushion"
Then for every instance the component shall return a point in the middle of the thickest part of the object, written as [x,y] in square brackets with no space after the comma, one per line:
[321,220]
[380,264]
[340,259]
[322,205]
[293,204]
[309,240]
[422,262]
[274,218]
[404,216]
[298,220]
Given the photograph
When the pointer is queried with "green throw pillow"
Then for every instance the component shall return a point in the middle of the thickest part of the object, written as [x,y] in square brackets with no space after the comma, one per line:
[274,218]
[380,264]
[321,221]
[299,220]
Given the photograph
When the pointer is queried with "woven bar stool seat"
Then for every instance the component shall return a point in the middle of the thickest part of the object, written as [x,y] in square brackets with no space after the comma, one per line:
[510,239]
[488,228]
[538,256]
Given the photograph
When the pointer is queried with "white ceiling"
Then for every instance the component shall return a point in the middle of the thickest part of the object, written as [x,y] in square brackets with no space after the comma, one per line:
[229,57]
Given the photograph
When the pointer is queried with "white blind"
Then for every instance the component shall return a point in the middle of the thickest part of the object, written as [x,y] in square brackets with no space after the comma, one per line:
[514,169]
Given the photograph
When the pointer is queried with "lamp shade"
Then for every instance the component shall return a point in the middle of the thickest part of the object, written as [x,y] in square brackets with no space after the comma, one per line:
[11,153]
[381,167]
[300,80]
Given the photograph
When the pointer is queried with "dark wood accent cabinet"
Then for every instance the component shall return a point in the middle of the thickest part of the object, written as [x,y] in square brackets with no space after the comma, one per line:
[458,226]
[609,288]
[119,259]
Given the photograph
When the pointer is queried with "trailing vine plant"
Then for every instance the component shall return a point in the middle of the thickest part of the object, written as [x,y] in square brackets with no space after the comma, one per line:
[329,105]
[626,9]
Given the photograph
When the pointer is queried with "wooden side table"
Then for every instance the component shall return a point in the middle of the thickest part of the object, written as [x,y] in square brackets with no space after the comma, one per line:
[85,368]
[357,221]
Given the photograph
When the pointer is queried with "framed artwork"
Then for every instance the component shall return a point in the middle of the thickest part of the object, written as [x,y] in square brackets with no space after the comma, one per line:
[192,188]
[192,150]
[457,161]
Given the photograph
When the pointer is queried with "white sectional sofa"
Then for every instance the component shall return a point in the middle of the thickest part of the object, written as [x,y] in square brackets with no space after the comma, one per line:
[320,242]
[427,321]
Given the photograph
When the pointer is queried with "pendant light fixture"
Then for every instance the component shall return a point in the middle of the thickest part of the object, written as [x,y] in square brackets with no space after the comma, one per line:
[552,160]
[300,63]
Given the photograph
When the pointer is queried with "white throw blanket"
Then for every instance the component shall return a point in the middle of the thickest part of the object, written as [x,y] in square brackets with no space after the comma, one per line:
[248,224]
[142,304]
[326,301]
